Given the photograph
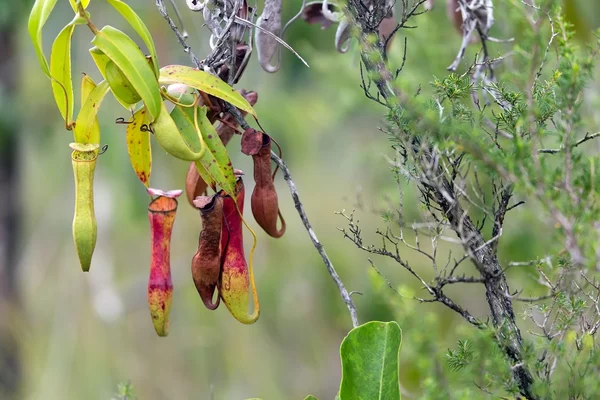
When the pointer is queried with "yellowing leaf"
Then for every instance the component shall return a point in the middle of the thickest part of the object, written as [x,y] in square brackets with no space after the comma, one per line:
[37,19]
[204,82]
[87,87]
[138,146]
[136,23]
[84,126]
[128,57]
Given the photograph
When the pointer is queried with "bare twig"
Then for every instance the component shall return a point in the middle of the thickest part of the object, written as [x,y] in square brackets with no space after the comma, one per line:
[587,137]
[300,208]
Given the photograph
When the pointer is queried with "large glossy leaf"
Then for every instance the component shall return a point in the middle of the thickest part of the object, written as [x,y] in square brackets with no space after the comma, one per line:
[204,82]
[138,146]
[136,23]
[370,362]
[60,71]
[127,56]
[225,177]
[37,19]
[84,126]
[87,87]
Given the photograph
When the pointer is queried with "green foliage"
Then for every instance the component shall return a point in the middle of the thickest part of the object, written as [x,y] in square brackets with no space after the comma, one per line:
[370,361]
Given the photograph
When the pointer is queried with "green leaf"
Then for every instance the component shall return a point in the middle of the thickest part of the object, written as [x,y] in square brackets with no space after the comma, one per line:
[138,25]
[222,163]
[170,138]
[100,59]
[84,126]
[60,71]
[87,87]
[187,128]
[203,172]
[310,397]
[127,56]
[37,19]
[138,146]
[370,363]
[204,82]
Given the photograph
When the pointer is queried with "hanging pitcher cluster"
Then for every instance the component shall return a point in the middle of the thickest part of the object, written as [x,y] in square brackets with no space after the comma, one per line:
[177,106]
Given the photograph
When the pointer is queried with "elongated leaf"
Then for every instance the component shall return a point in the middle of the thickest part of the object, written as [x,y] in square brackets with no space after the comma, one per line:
[138,25]
[138,146]
[87,87]
[60,70]
[204,82]
[37,19]
[203,172]
[100,59]
[84,126]
[370,362]
[185,124]
[127,56]
[215,165]
[225,178]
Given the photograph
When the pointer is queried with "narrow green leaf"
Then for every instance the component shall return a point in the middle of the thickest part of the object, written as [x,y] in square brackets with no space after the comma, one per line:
[186,126]
[138,25]
[84,126]
[37,19]
[127,56]
[204,82]
[87,87]
[138,146]
[100,59]
[225,178]
[60,71]
[73,5]
[370,361]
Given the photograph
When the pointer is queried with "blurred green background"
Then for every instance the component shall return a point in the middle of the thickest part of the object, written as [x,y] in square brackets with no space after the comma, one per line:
[69,335]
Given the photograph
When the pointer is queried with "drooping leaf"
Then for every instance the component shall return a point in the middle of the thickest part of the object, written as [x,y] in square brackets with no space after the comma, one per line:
[60,71]
[87,87]
[138,25]
[84,126]
[127,56]
[37,19]
[204,82]
[138,146]
[100,59]
[225,178]
[370,362]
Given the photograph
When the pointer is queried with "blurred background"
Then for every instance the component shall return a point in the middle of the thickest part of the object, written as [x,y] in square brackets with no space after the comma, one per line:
[65,334]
